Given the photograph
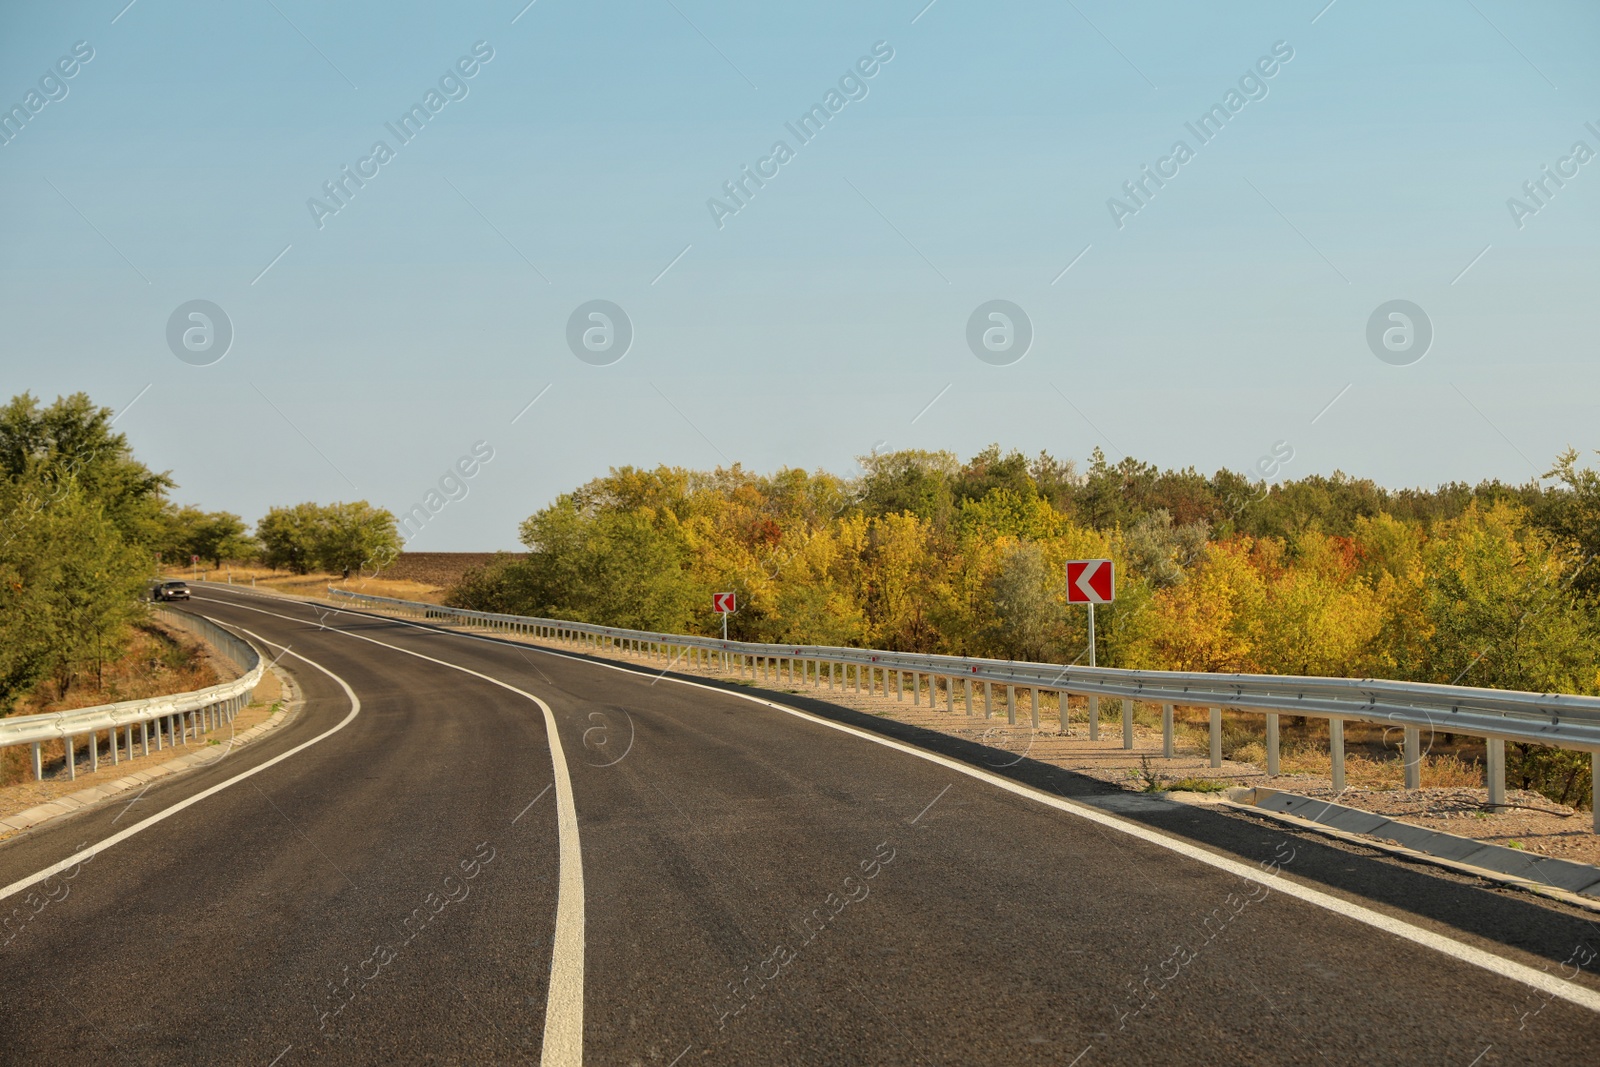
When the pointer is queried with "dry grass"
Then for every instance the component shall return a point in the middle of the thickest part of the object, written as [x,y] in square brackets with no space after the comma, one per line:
[1438,772]
[314,585]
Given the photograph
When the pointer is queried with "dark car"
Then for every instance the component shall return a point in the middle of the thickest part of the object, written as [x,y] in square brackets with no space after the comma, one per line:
[170,591]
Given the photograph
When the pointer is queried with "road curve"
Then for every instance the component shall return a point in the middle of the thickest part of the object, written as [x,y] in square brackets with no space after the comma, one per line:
[756,887]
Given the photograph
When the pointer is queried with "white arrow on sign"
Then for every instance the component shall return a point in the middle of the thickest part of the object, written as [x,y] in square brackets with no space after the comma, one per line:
[1089,581]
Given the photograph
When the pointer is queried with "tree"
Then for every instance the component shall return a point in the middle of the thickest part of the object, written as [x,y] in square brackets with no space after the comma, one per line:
[1203,622]
[350,536]
[1499,600]
[215,536]
[73,441]
[1027,605]
[909,481]
[96,581]
[1161,551]
[77,514]
[29,571]
[1575,518]
[1317,617]
[289,537]
[71,585]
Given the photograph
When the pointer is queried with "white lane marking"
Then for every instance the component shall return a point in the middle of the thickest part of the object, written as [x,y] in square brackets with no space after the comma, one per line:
[166,813]
[1447,946]
[563,1011]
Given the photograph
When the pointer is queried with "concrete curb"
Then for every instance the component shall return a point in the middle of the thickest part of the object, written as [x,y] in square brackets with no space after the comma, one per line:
[84,798]
[1564,880]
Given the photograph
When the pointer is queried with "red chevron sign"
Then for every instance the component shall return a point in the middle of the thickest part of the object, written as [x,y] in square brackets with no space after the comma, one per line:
[722,603]
[1089,581]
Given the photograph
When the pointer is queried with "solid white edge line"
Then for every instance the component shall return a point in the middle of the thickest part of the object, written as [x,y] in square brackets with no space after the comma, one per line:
[563,1012]
[166,813]
[1543,981]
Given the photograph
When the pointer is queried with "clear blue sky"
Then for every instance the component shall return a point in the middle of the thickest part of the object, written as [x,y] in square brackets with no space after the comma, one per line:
[822,318]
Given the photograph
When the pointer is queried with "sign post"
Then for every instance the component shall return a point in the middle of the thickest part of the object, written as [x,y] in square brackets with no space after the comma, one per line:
[1091,582]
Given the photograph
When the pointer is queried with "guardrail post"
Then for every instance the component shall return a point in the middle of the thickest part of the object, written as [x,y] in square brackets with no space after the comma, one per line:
[1034,693]
[968,682]
[1166,730]
[144,737]
[1127,722]
[899,677]
[72,759]
[1495,772]
[950,695]
[988,701]
[1011,704]
[916,689]
[1064,698]
[1094,717]
[1272,743]
[94,751]
[38,763]
[1216,737]
[1413,756]
[111,735]
[1336,752]
[1594,787]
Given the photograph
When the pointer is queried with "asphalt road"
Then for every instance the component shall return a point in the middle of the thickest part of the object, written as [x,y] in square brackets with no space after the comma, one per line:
[740,885]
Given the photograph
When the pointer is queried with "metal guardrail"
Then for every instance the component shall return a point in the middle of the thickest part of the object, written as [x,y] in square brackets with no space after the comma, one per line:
[165,719]
[1558,719]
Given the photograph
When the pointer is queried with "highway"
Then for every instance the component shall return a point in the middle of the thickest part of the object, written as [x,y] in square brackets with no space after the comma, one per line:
[416,870]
